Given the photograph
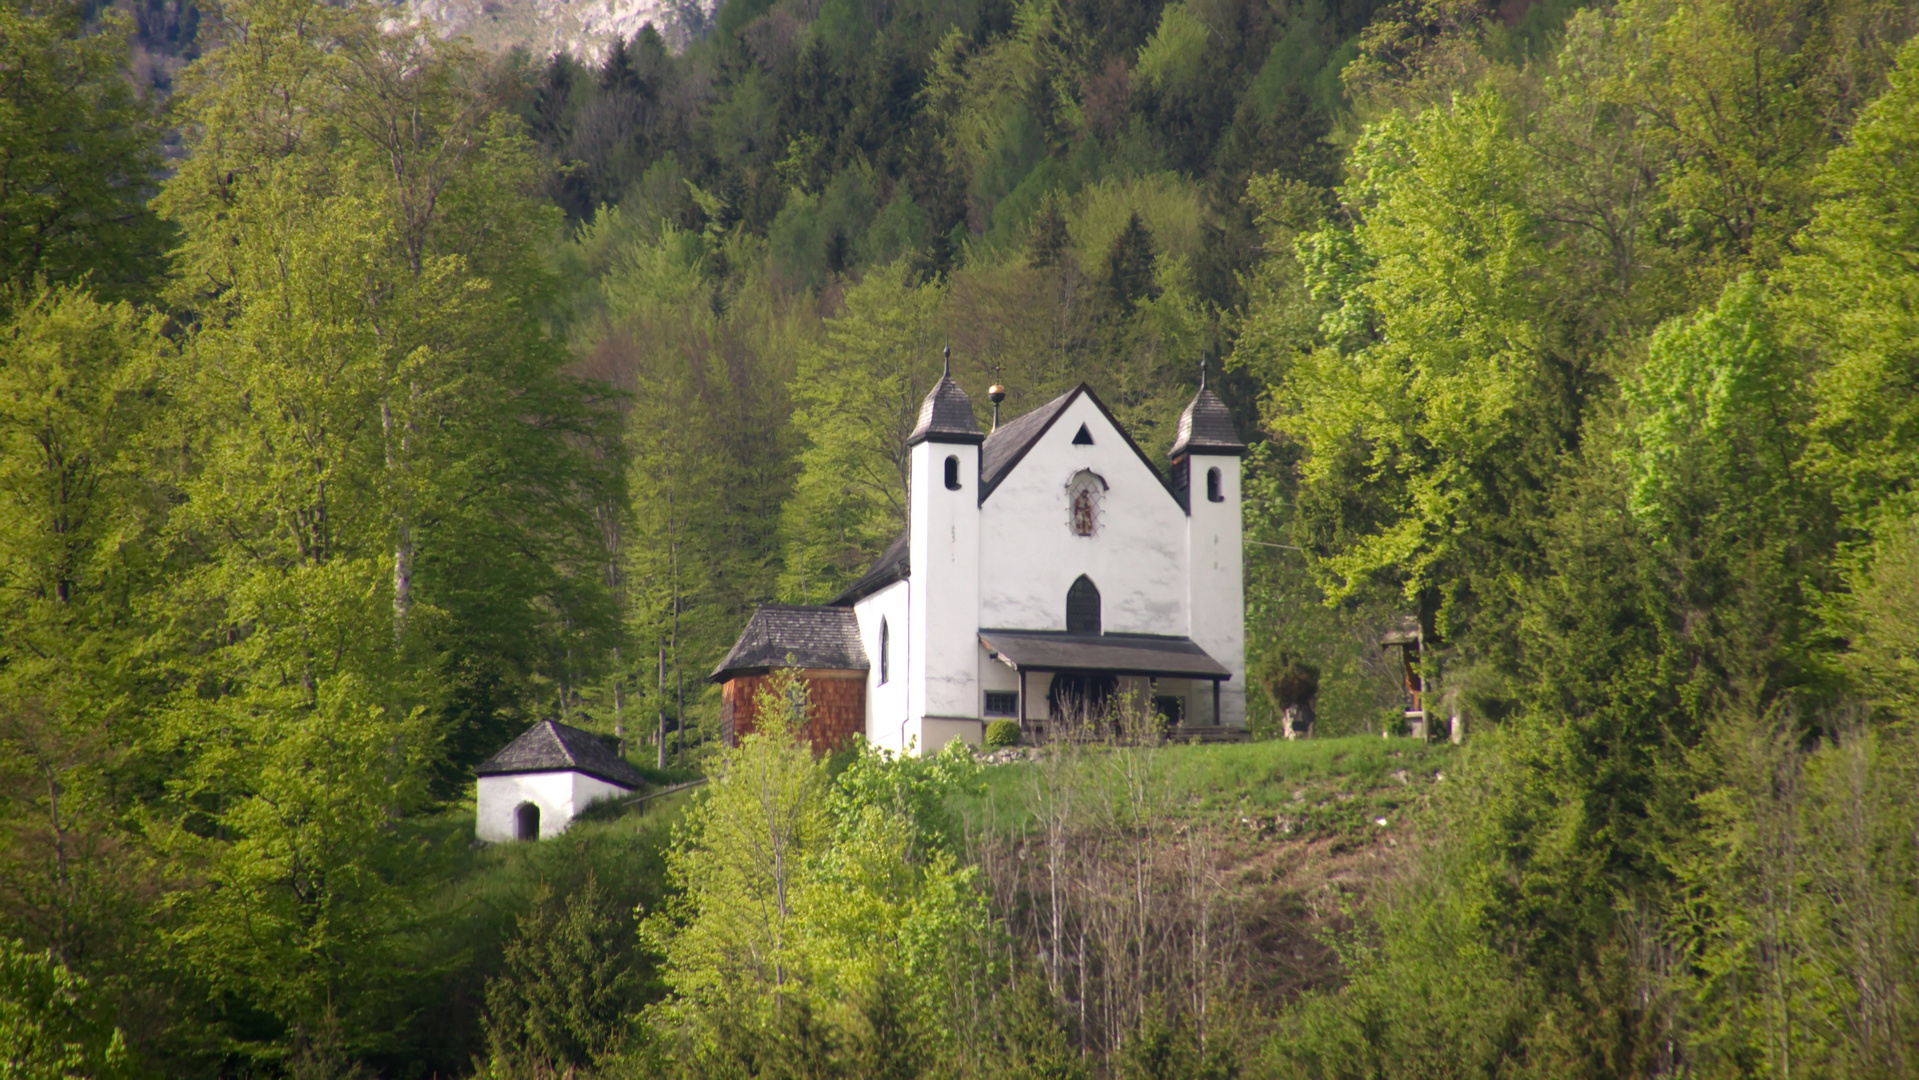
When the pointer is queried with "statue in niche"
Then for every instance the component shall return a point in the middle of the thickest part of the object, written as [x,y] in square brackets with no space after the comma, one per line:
[1083,494]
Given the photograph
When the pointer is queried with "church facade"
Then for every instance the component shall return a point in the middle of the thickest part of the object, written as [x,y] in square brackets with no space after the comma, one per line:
[1049,570]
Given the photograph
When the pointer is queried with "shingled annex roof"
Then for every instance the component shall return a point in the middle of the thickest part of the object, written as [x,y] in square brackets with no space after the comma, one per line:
[1010,441]
[784,635]
[892,565]
[1118,654]
[1206,427]
[946,416]
[550,746]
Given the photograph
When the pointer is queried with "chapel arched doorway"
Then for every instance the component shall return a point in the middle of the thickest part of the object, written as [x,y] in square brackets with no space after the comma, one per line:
[526,821]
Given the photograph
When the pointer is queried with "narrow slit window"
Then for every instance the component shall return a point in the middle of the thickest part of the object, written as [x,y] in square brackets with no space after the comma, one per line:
[886,650]
[952,474]
[1214,490]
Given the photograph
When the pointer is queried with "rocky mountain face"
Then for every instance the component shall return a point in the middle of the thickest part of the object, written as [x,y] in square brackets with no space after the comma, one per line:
[166,33]
[585,28]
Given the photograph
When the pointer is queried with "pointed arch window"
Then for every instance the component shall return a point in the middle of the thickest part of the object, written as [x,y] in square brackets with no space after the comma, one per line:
[886,650]
[1082,607]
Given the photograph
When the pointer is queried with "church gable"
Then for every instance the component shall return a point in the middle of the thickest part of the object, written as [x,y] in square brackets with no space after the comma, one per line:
[1066,506]
[1077,418]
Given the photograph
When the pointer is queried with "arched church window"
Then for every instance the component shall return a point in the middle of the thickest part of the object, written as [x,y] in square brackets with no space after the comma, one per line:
[1082,607]
[1084,493]
[1214,491]
[886,650]
[526,821]
[952,474]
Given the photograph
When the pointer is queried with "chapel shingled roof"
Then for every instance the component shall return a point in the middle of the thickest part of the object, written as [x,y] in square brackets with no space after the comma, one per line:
[1206,427]
[550,746]
[1010,441]
[894,564]
[946,416]
[788,635]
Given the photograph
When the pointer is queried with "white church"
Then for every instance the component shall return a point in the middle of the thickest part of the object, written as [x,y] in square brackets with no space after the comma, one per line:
[1049,567]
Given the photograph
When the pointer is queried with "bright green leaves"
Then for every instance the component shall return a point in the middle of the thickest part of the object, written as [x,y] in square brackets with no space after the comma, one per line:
[298,912]
[1716,396]
[1854,295]
[77,388]
[805,893]
[1728,102]
[856,398]
[77,155]
[1436,337]
[53,1025]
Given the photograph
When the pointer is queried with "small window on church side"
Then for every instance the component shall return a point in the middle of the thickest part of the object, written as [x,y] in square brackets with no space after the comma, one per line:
[886,649]
[1083,437]
[1214,493]
[1001,703]
[952,474]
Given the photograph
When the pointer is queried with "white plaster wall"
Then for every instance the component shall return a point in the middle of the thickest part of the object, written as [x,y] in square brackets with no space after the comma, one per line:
[886,704]
[1217,590]
[559,795]
[1029,555]
[943,657]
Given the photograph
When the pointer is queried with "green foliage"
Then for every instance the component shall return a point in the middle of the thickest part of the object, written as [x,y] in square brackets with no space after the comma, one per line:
[1417,407]
[856,398]
[78,144]
[53,1025]
[1001,733]
[1851,294]
[568,988]
[817,918]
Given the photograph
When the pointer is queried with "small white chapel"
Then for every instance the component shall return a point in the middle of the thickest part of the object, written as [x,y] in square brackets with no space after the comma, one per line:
[1049,567]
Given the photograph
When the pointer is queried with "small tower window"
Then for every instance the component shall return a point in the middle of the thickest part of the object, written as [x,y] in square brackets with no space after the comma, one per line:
[1084,437]
[1082,607]
[952,473]
[526,821]
[886,649]
[1214,491]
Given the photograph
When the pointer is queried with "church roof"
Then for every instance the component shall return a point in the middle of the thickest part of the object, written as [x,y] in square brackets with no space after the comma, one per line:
[892,565]
[1119,654]
[1008,444]
[788,635]
[1206,427]
[946,416]
[550,746]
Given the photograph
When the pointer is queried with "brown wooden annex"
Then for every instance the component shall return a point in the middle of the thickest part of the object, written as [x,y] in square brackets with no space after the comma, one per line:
[823,645]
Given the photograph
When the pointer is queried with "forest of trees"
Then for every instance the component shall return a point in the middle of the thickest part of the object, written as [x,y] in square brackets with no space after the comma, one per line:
[364,398]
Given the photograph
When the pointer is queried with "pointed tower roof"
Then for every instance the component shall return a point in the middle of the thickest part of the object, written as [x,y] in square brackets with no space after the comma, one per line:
[947,413]
[1206,427]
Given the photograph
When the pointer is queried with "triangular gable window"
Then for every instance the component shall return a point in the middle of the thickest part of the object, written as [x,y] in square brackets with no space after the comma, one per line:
[1084,438]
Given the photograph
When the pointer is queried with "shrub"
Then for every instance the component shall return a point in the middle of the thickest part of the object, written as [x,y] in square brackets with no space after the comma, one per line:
[1002,733]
